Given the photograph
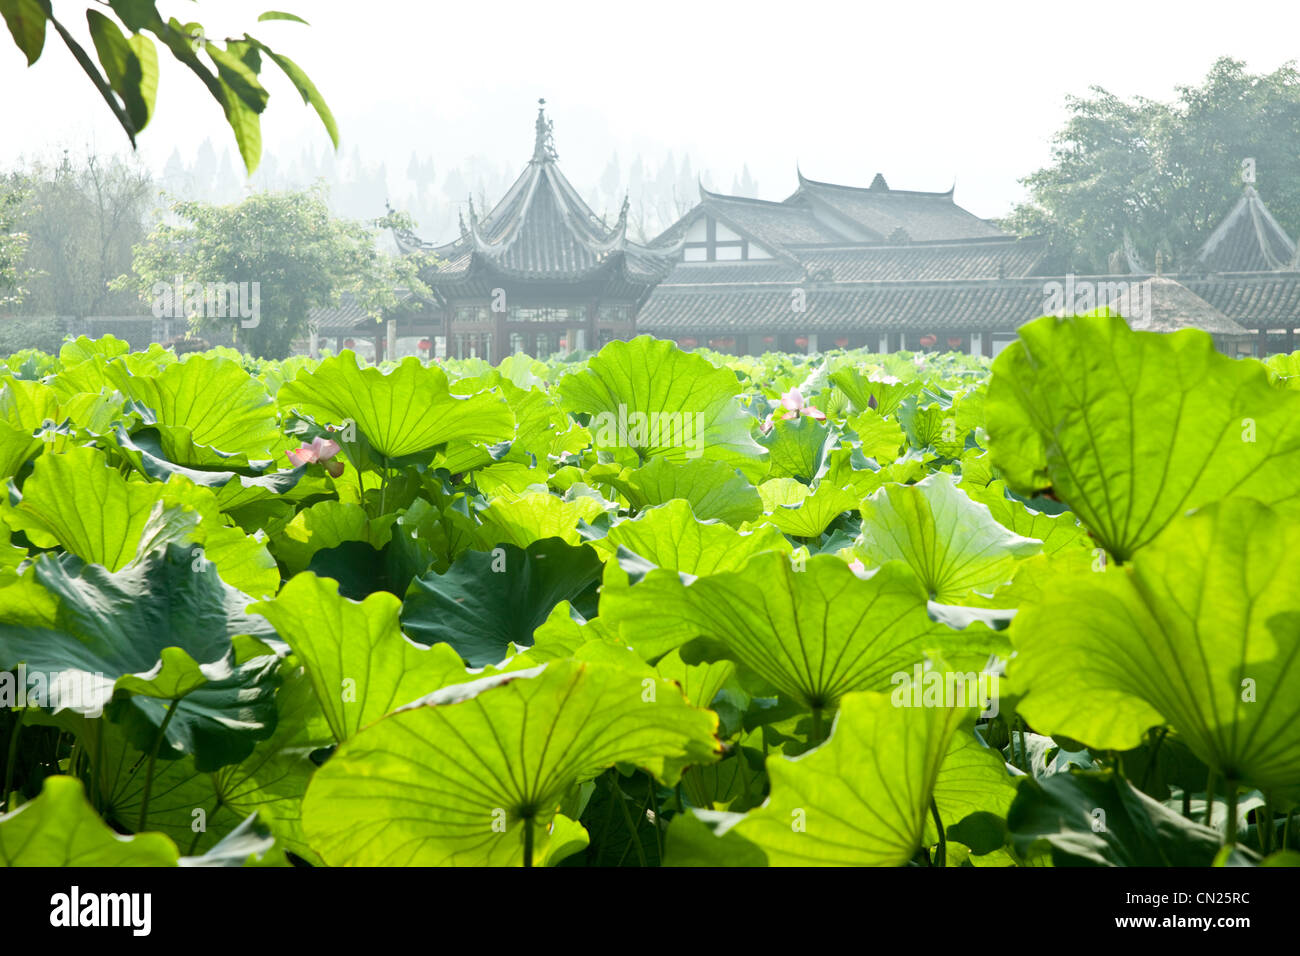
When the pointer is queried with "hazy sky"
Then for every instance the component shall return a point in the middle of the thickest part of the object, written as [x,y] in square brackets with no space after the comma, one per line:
[926,93]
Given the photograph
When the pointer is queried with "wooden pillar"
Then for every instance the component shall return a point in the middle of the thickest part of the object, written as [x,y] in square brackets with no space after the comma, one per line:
[379,348]
[500,336]
[390,343]
[1261,343]
[593,340]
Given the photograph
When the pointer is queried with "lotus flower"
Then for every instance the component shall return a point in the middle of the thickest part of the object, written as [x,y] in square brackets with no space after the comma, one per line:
[860,569]
[793,402]
[320,451]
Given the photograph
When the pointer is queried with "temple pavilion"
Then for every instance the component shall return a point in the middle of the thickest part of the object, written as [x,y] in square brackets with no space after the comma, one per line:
[541,272]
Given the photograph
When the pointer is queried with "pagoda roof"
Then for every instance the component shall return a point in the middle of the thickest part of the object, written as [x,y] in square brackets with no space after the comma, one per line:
[892,214]
[1161,304]
[1248,239]
[543,230]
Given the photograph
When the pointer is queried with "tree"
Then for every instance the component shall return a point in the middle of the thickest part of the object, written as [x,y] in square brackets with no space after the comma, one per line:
[81,222]
[281,253]
[1164,173]
[126,75]
[14,188]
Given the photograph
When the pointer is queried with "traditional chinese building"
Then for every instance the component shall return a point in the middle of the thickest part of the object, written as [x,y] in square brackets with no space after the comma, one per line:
[830,266]
[541,272]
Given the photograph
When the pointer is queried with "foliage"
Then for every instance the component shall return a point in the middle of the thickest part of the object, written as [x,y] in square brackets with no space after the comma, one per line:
[1164,174]
[285,254]
[484,628]
[126,74]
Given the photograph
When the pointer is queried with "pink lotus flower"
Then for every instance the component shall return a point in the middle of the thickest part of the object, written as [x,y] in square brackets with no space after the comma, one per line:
[793,402]
[858,568]
[320,451]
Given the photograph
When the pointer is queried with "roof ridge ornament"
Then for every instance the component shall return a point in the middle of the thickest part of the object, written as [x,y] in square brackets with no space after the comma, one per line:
[879,183]
[544,145]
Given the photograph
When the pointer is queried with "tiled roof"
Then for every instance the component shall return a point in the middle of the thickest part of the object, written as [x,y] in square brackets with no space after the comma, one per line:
[886,213]
[347,316]
[1248,240]
[991,305]
[1270,300]
[997,259]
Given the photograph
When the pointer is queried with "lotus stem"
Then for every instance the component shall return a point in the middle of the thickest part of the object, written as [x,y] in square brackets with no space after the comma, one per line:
[153,756]
[11,760]
[1232,813]
[941,851]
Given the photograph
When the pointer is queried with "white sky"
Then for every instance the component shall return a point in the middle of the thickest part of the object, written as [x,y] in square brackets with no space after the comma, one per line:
[925,92]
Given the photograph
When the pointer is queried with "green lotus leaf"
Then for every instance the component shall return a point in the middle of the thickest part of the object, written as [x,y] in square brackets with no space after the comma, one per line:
[235,480]
[862,798]
[328,524]
[847,468]
[28,406]
[972,780]
[880,437]
[522,519]
[952,543]
[874,390]
[160,628]
[401,411]
[814,631]
[798,448]
[361,665]
[1055,531]
[649,395]
[16,446]
[1201,632]
[198,809]
[707,838]
[59,828]
[249,844]
[1099,819]
[714,489]
[670,536]
[489,601]
[563,635]
[204,402]
[77,501]
[473,774]
[797,510]
[699,683]
[1132,429]
[83,348]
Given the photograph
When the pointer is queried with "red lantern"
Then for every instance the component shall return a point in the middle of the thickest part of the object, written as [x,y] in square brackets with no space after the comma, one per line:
[425,345]
[954,341]
[801,342]
[688,343]
[769,339]
[842,342]
[929,341]
[348,343]
[564,343]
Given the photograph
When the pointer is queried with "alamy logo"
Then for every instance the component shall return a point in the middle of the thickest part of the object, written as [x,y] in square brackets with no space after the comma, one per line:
[209,300]
[933,688]
[74,908]
[626,429]
[80,691]
[1081,296]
